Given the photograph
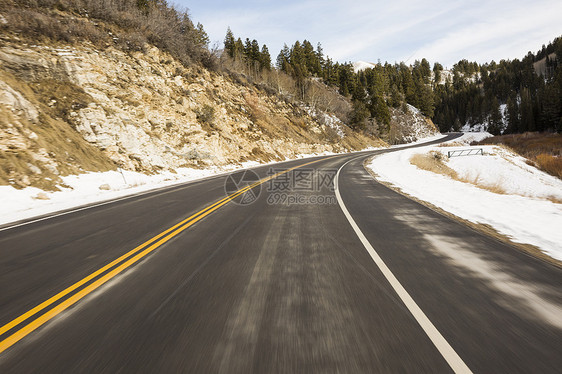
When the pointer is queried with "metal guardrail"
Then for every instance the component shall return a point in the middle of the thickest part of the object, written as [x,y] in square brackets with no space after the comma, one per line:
[465,152]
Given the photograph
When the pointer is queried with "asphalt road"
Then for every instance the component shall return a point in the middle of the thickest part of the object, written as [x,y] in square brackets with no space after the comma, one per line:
[275,281]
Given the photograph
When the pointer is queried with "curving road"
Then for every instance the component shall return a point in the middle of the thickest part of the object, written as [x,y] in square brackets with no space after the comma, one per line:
[290,275]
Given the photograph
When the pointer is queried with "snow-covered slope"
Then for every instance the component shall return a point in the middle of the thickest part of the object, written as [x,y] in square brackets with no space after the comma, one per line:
[529,210]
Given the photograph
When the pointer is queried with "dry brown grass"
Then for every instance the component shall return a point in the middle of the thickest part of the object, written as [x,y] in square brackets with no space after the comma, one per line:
[434,162]
[550,164]
[55,138]
[61,97]
[543,149]
[495,188]
[451,144]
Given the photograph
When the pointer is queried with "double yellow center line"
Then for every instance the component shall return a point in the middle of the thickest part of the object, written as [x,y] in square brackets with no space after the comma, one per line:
[115,267]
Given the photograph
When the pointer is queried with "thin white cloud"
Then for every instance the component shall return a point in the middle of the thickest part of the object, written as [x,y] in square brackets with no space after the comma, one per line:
[439,30]
[507,35]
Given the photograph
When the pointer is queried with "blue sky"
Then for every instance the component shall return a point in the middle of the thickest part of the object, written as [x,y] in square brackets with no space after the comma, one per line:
[395,30]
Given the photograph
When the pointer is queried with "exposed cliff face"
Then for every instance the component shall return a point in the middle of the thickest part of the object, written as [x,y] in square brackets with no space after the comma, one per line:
[65,110]
[408,125]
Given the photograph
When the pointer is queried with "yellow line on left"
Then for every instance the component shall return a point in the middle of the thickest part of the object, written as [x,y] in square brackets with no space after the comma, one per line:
[167,235]
[78,284]
[33,325]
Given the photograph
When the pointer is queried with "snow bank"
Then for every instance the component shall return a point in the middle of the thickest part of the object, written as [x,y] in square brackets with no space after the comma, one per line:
[524,213]
[89,188]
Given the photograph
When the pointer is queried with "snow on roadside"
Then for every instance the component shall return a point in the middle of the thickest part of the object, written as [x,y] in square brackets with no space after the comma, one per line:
[523,213]
[85,188]
[89,188]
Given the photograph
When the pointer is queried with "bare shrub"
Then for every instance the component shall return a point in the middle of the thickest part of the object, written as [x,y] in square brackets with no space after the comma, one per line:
[550,164]
[168,28]
[256,111]
[206,115]
[451,144]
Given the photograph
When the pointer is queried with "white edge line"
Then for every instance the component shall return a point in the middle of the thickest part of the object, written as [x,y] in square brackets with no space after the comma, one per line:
[453,359]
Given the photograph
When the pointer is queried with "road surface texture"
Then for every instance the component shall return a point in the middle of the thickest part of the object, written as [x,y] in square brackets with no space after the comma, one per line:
[288,277]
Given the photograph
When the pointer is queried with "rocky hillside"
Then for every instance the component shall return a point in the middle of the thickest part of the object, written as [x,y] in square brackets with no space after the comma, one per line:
[408,125]
[67,108]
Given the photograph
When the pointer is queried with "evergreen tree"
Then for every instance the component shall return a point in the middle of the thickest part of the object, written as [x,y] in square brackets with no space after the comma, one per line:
[512,115]
[265,58]
[527,116]
[407,82]
[229,42]
[550,111]
[320,56]
[238,49]
[202,39]
[330,73]
[495,125]
[425,71]
[457,124]
[359,115]
[437,69]
[248,49]
[283,58]
[379,110]
[255,51]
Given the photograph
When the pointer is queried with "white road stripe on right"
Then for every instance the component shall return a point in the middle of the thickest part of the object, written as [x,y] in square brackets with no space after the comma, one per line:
[449,354]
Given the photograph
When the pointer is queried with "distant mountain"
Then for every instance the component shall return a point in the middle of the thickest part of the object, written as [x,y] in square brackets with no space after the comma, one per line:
[362,65]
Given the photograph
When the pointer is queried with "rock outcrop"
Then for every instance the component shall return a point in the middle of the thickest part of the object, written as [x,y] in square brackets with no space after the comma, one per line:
[408,125]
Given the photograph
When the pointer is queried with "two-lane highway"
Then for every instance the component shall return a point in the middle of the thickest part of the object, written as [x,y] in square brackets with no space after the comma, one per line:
[189,279]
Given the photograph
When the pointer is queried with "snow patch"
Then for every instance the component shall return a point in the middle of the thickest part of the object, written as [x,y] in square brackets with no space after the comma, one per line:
[413,109]
[327,119]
